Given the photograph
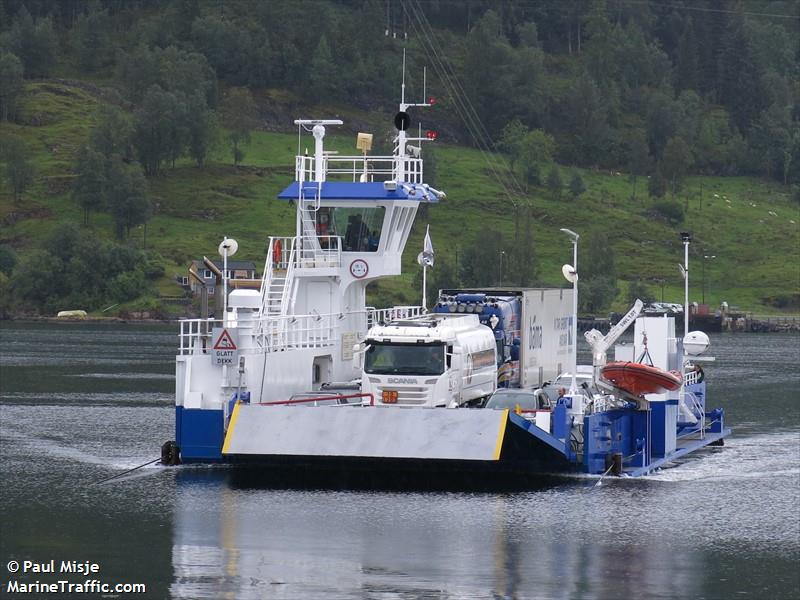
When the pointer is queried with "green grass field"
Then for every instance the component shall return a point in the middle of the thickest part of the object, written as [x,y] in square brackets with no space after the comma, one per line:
[750,225]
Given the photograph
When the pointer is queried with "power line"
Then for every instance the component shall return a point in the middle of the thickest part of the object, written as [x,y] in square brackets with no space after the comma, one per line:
[709,10]
[462,103]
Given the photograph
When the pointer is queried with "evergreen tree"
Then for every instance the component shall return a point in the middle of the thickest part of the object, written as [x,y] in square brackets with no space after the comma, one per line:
[520,269]
[89,189]
[33,42]
[576,185]
[11,72]
[555,183]
[657,185]
[597,283]
[127,197]
[487,61]
[92,38]
[687,68]
[483,260]
[740,85]
[511,140]
[676,162]
[239,116]
[8,259]
[772,142]
[599,49]
[321,83]
[18,170]
[662,121]
[112,132]
[203,134]
[585,116]
[157,128]
[534,150]
[638,158]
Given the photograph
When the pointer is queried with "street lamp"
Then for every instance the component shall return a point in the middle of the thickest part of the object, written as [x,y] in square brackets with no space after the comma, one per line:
[686,238]
[227,247]
[703,276]
[502,254]
[572,275]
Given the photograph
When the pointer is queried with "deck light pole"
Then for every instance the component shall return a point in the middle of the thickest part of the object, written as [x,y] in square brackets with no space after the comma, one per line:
[227,248]
[573,276]
[686,238]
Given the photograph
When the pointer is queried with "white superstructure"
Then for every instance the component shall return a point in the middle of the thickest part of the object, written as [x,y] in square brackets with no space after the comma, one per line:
[354,216]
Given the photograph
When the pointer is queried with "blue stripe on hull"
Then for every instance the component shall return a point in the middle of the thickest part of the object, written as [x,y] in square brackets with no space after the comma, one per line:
[199,434]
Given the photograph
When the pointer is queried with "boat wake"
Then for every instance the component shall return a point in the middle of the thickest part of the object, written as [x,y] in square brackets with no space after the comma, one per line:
[755,457]
[163,376]
[28,444]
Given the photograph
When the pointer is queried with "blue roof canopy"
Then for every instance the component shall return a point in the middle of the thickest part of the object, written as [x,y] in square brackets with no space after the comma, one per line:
[338,190]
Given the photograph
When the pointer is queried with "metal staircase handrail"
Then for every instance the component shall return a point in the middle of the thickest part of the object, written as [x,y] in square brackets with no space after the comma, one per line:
[288,296]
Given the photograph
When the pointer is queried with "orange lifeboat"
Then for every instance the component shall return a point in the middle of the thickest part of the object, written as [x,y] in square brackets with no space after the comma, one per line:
[640,379]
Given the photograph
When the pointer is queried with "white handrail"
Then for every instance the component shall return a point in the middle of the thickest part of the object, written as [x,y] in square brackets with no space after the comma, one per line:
[354,167]
[279,332]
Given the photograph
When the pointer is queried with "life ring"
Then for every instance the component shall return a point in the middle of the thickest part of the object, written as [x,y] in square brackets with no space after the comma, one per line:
[276,252]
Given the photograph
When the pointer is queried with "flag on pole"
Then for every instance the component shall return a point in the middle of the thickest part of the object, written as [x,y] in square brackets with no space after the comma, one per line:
[425,258]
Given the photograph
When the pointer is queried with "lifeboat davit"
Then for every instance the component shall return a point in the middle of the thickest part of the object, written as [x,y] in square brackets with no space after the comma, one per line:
[639,379]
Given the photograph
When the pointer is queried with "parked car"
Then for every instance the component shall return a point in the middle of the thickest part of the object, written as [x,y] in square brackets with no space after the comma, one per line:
[512,398]
[551,388]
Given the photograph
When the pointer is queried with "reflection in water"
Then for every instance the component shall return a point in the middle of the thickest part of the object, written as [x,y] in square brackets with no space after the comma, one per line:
[573,540]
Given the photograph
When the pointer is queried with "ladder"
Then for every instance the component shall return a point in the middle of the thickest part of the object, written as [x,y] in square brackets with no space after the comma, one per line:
[276,288]
[308,204]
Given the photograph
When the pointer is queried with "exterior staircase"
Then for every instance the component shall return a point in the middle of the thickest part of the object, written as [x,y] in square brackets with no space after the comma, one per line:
[277,286]
[309,203]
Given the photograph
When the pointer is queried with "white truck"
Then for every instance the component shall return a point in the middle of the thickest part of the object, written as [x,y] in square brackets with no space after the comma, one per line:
[472,342]
[431,360]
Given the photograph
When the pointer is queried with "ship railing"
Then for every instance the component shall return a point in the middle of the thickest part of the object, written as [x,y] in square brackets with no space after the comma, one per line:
[361,168]
[277,264]
[378,316]
[195,335]
[271,333]
[268,334]
[295,331]
[287,296]
[281,255]
[326,252]
[691,377]
[696,407]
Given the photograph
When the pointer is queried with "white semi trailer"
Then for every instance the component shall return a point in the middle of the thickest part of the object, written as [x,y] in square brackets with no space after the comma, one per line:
[431,360]
[473,341]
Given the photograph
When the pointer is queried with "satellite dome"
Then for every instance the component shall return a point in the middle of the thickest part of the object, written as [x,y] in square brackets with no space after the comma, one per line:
[695,343]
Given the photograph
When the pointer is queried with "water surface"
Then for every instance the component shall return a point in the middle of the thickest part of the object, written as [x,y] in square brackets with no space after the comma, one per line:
[80,403]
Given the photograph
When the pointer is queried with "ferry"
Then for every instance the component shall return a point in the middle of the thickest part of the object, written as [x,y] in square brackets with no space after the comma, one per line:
[253,387]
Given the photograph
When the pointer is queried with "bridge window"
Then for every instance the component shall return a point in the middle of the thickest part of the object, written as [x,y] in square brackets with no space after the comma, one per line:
[359,228]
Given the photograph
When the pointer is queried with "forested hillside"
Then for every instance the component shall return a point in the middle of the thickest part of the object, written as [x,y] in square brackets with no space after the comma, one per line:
[159,126]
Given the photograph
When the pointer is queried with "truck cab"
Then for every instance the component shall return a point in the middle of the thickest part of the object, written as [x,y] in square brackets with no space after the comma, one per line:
[434,360]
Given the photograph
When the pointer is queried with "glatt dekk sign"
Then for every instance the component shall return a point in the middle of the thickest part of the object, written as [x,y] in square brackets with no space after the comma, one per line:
[225,346]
